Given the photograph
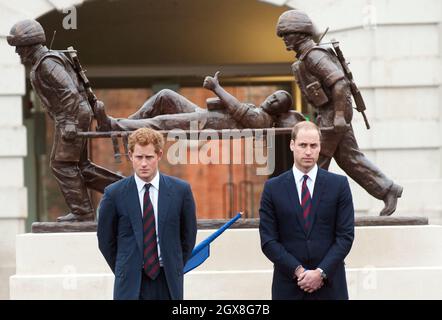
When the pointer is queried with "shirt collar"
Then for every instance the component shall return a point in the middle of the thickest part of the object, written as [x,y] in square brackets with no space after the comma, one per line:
[298,174]
[155,182]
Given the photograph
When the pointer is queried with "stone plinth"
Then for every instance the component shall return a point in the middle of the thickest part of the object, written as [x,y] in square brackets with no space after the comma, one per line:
[387,262]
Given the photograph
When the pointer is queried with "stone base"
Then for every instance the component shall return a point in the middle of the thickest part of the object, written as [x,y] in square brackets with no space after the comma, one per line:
[91,226]
[389,262]
[390,221]
[5,273]
[53,227]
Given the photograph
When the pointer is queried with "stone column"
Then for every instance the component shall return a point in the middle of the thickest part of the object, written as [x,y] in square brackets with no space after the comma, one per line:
[13,198]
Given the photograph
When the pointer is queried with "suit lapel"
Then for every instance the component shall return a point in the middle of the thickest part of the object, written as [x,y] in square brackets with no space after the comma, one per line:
[292,192]
[317,193]
[134,211]
[164,198]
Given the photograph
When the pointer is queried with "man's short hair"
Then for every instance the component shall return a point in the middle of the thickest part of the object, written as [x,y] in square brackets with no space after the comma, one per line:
[304,125]
[144,137]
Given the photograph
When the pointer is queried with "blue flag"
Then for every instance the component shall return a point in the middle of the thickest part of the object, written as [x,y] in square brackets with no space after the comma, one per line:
[202,251]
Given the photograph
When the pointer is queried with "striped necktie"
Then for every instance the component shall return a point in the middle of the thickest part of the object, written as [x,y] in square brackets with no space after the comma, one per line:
[151,261]
[306,203]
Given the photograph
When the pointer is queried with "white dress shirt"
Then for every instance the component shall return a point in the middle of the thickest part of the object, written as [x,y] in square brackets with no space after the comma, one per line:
[153,194]
[299,178]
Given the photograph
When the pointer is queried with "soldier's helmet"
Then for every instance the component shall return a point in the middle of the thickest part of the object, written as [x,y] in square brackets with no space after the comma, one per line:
[294,21]
[26,33]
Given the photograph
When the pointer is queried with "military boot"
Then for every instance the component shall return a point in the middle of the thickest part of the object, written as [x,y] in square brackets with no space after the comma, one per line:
[390,199]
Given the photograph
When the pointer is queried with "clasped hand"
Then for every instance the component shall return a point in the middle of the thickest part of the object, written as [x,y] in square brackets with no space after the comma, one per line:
[310,280]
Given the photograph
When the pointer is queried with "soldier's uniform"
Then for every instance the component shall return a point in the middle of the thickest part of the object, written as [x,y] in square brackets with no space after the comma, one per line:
[316,71]
[63,96]
[169,110]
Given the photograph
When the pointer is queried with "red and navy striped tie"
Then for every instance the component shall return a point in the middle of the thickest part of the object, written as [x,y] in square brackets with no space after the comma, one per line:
[306,203]
[151,261]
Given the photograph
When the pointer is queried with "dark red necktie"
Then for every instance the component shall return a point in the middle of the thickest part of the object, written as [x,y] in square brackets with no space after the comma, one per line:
[150,253]
[306,203]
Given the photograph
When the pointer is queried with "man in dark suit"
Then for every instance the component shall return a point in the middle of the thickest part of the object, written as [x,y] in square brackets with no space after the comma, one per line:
[147,225]
[307,224]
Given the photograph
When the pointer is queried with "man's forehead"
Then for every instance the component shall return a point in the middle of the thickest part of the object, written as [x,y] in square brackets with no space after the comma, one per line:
[307,135]
[147,149]
[143,153]
[307,141]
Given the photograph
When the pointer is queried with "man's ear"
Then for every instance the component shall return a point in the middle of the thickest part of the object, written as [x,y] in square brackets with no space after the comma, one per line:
[130,155]
[292,145]
[160,154]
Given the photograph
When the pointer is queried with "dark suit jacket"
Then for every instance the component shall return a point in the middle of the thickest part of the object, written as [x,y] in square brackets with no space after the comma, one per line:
[324,245]
[120,233]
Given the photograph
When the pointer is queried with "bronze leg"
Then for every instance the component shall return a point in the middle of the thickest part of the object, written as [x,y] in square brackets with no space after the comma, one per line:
[72,186]
[360,169]
[164,102]
[97,178]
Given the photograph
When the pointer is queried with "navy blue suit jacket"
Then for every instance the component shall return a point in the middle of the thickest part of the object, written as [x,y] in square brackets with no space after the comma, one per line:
[120,233]
[325,245]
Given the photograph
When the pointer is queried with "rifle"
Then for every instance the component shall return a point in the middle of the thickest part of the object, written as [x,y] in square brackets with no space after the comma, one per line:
[323,35]
[92,98]
[359,101]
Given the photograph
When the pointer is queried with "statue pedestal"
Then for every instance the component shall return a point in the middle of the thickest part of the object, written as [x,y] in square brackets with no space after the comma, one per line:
[386,262]
[60,266]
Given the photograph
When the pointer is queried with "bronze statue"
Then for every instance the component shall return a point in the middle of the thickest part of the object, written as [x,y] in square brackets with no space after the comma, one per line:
[167,110]
[326,86]
[63,94]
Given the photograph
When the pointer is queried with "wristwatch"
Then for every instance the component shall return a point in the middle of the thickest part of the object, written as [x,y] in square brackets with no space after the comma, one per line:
[323,274]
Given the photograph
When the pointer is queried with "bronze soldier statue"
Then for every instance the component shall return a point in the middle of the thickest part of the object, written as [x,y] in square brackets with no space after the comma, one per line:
[324,84]
[63,95]
[169,110]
